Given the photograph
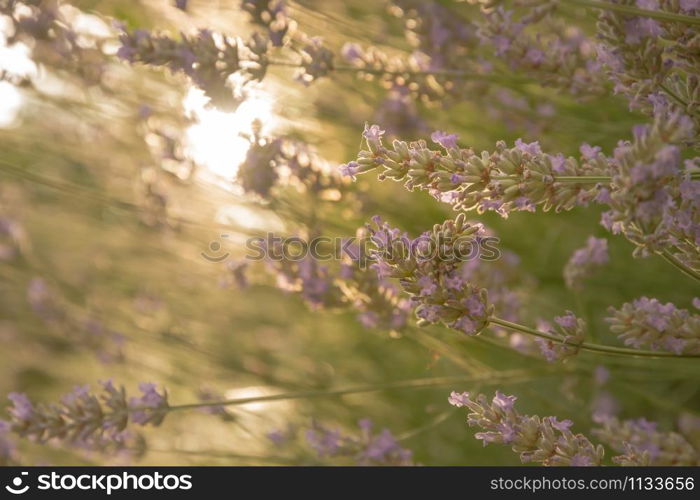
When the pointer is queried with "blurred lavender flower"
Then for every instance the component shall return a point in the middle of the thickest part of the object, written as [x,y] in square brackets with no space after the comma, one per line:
[279,437]
[316,61]
[647,58]
[366,448]
[642,444]
[57,38]
[545,440]
[43,301]
[88,331]
[689,426]
[584,261]
[312,281]
[649,323]
[376,300]
[439,32]
[125,446]
[12,238]
[558,53]
[208,395]
[257,174]
[398,113]
[605,406]
[7,448]
[82,416]
[281,162]
[151,407]
[273,15]
[208,59]
[417,73]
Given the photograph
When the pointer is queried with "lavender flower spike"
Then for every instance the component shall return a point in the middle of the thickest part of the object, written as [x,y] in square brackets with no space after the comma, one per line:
[82,416]
[509,179]
[643,444]
[649,323]
[367,448]
[428,269]
[544,440]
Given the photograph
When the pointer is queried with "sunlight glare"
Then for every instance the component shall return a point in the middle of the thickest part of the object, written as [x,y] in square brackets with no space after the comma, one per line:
[215,141]
[257,392]
[15,61]
[10,103]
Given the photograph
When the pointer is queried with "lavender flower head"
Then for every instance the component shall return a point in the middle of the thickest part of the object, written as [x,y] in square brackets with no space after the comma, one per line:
[82,416]
[509,179]
[428,267]
[646,322]
[570,332]
[544,440]
[7,448]
[447,141]
[366,448]
[643,444]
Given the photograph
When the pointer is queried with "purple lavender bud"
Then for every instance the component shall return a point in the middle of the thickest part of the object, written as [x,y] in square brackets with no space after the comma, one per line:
[458,399]
[546,440]
[373,134]
[447,141]
[352,52]
[532,148]
[590,152]
[584,261]
[504,402]
[326,442]
[151,407]
[349,169]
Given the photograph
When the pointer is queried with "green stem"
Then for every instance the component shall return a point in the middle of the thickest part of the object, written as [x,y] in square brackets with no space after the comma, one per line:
[402,384]
[669,257]
[629,9]
[430,425]
[586,346]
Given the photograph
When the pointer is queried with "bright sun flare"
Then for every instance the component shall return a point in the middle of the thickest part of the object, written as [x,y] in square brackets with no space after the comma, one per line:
[215,141]
[15,61]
